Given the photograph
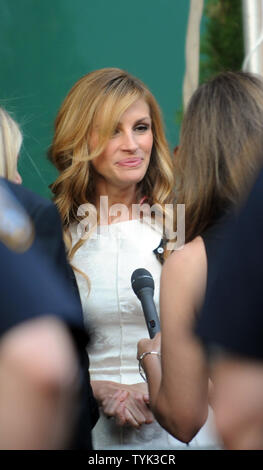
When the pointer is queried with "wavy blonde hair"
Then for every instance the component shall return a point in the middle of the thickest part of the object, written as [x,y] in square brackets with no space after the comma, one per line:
[10,144]
[221,148]
[103,95]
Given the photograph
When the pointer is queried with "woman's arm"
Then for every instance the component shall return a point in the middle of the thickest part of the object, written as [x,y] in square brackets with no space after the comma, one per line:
[179,388]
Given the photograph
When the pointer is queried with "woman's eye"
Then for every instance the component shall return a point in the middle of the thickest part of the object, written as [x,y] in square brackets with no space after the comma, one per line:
[142,127]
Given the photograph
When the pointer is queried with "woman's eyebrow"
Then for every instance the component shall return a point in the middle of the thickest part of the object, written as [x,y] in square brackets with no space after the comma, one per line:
[145,118]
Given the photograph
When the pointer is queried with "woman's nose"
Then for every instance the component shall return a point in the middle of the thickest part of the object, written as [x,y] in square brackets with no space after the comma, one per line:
[129,142]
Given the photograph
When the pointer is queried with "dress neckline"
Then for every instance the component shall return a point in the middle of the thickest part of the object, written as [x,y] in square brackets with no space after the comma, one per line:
[121,222]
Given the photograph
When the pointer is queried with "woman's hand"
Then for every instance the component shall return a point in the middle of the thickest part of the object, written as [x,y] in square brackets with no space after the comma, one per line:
[128,404]
[147,345]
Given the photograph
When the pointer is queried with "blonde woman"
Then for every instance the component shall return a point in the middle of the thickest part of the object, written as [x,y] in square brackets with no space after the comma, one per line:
[10,143]
[111,152]
[219,155]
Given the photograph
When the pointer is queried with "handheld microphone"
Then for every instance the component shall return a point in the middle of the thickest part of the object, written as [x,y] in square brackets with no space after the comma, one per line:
[143,286]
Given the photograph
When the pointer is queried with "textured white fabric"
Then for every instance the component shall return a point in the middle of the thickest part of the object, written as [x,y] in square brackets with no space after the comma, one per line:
[115,318]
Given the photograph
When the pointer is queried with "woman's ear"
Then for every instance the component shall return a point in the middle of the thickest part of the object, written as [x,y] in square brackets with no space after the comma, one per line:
[17,178]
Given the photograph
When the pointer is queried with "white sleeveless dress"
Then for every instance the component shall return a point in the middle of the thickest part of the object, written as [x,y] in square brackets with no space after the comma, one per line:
[114,316]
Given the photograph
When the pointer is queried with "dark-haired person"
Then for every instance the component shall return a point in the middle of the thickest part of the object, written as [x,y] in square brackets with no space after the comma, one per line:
[219,155]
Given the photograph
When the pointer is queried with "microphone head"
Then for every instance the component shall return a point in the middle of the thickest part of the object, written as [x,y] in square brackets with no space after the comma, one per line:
[141,278]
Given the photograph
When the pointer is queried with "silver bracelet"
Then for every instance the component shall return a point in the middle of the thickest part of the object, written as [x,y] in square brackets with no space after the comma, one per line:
[142,356]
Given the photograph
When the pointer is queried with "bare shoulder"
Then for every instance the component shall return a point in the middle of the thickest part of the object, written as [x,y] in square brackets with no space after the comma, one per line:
[191,256]
[184,274]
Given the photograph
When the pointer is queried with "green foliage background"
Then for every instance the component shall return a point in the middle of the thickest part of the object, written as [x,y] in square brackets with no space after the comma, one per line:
[221,41]
[222,44]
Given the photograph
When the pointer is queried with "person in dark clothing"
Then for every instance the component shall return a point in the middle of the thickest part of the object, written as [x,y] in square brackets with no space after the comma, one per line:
[218,158]
[230,326]
[38,296]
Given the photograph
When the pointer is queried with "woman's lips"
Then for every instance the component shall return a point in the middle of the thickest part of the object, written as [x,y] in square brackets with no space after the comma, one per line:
[130,162]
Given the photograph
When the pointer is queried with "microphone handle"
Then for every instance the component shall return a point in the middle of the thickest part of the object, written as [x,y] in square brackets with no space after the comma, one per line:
[149,310]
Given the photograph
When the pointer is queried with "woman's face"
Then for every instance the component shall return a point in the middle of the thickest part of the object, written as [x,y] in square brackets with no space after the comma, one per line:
[126,157]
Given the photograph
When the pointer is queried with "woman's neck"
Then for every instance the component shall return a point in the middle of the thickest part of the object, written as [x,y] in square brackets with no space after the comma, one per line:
[115,204]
